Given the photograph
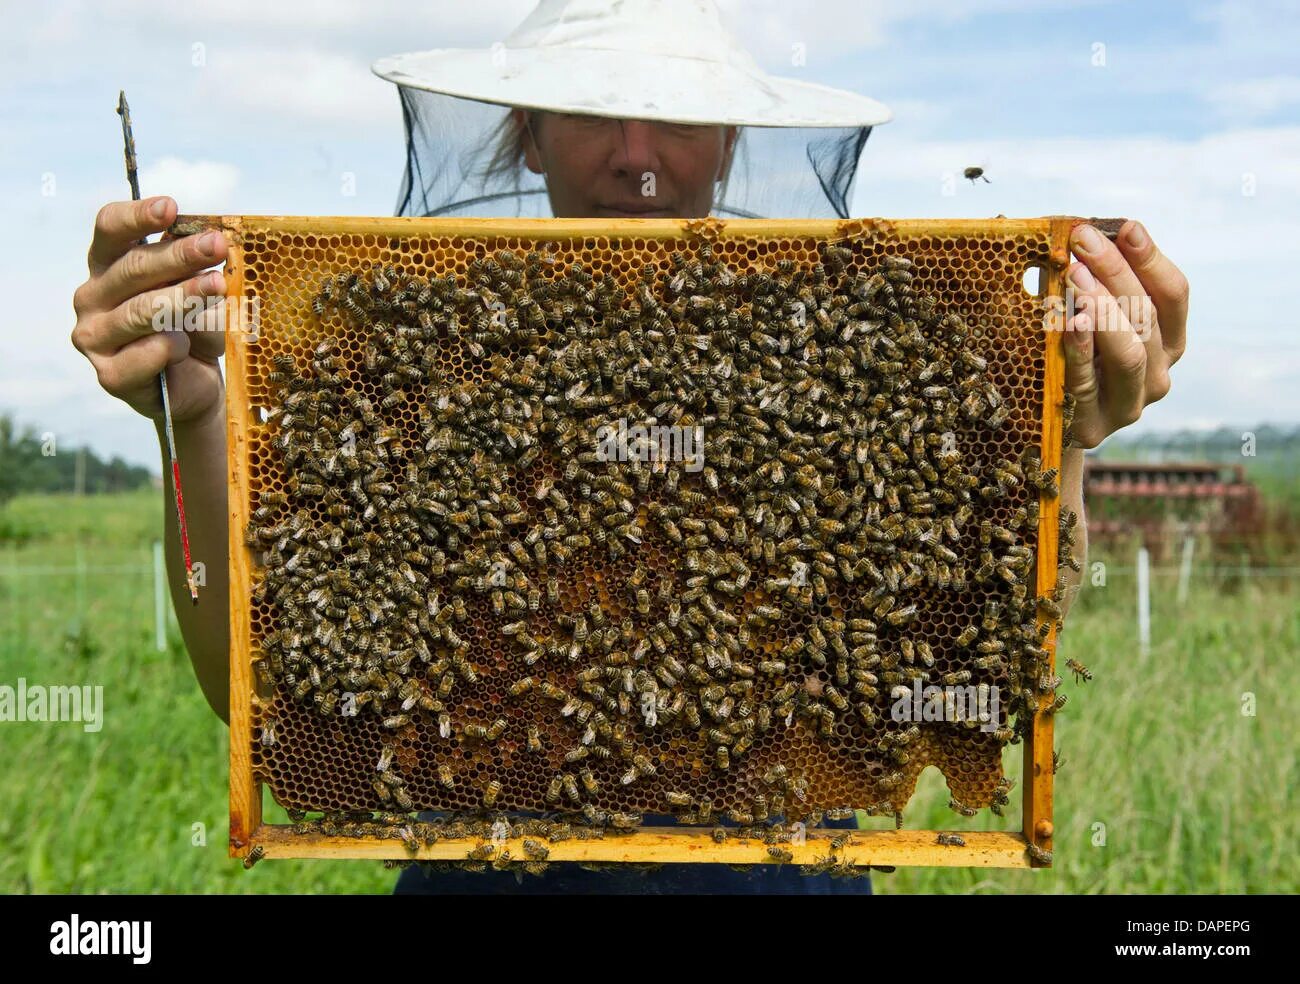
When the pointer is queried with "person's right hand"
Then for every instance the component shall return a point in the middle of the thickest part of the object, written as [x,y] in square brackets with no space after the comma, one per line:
[117,308]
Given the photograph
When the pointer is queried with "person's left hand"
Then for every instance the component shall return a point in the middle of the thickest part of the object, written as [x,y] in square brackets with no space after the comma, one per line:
[1129,327]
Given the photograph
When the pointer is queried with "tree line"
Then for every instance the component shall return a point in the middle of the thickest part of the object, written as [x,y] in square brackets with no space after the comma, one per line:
[35,462]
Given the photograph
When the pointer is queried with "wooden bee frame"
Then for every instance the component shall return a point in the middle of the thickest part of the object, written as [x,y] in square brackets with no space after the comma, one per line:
[1046,249]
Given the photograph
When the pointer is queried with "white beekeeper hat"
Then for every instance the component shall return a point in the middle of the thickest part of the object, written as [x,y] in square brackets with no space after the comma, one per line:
[658,60]
[669,60]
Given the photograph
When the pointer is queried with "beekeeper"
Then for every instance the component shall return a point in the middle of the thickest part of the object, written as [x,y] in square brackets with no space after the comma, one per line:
[639,108]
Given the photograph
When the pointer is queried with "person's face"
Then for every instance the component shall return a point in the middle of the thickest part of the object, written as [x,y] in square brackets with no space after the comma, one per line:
[626,168]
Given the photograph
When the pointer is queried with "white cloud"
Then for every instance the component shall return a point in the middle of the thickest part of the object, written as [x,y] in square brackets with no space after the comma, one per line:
[197,186]
[1194,189]
[1251,99]
[832,28]
[304,84]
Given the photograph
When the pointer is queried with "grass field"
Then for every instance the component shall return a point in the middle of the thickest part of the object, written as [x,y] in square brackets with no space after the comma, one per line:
[1166,785]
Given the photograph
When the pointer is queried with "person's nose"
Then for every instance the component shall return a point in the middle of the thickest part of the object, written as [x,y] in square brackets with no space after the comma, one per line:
[636,151]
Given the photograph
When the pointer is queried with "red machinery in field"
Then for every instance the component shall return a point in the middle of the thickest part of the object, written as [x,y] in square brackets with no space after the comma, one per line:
[1160,503]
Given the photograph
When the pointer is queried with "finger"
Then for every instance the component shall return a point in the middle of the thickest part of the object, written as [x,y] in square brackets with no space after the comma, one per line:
[1109,266]
[208,335]
[130,372]
[154,311]
[1163,281]
[1121,357]
[156,265]
[120,225]
[1081,381]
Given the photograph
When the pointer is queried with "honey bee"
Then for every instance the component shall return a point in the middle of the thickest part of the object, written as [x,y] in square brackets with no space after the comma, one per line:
[1039,854]
[951,840]
[958,807]
[1081,673]
[255,855]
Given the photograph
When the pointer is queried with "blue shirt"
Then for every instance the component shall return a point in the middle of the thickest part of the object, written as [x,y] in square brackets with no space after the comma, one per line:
[672,879]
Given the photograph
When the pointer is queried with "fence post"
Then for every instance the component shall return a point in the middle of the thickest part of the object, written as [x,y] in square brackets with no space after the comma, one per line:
[1144,602]
[159,598]
[1185,569]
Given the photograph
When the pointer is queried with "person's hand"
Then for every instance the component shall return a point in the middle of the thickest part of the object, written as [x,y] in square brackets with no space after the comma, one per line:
[136,289]
[1129,327]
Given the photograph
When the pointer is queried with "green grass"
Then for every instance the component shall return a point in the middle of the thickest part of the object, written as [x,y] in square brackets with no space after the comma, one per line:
[114,811]
[1194,796]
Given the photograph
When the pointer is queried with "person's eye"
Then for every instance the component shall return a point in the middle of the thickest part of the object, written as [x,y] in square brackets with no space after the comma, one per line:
[685,131]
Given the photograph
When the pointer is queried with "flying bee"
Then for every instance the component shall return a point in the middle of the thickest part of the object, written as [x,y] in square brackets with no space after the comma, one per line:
[1081,673]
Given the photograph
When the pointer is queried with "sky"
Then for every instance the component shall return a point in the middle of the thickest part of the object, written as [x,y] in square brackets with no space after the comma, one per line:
[1185,115]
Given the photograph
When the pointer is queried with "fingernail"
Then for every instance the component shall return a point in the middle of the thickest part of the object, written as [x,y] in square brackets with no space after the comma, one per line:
[208,243]
[158,209]
[1086,239]
[1081,278]
[1136,236]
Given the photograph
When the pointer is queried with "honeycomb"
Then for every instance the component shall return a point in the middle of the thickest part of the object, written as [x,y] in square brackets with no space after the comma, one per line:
[328,761]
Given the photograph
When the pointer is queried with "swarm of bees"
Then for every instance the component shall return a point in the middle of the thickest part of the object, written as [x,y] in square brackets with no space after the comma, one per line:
[432,517]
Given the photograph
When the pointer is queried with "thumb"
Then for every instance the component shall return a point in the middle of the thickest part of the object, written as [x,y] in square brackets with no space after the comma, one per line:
[1081,381]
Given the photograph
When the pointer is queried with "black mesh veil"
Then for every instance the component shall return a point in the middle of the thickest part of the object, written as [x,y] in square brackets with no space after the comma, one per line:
[458,164]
